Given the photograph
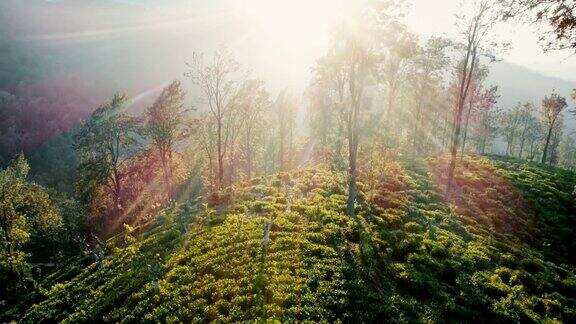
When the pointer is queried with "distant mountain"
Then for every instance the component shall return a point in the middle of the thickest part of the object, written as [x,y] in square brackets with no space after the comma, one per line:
[517,83]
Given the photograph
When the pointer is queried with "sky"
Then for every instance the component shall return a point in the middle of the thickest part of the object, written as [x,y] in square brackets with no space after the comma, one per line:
[148,41]
[425,19]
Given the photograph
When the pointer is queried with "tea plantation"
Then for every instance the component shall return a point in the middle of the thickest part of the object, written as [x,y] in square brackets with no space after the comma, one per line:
[281,249]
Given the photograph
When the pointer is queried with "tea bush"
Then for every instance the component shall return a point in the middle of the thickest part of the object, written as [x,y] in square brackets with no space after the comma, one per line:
[407,256]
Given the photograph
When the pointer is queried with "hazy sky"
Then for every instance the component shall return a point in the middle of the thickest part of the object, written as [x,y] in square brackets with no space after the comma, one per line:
[279,40]
[437,17]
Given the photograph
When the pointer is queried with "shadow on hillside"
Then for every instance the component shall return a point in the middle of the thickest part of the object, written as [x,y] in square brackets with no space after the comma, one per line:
[484,199]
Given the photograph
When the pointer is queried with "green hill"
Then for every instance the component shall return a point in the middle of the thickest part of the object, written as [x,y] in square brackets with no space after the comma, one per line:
[501,251]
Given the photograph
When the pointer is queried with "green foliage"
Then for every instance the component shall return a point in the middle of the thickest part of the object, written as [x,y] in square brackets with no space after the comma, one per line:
[408,259]
[26,211]
[104,143]
[549,192]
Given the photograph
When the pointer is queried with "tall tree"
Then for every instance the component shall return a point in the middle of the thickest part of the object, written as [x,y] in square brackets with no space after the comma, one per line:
[487,129]
[527,121]
[105,144]
[428,66]
[474,100]
[568,153]
[358,62]
[254,103]
[475,31]
[286,114]
[555,139]
[509,125]
[534,136]
[166,124]
[552,106]
[400,47]
[331,75]
[217,82]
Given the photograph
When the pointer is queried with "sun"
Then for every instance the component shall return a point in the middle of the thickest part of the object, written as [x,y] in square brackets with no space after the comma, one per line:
[297,23]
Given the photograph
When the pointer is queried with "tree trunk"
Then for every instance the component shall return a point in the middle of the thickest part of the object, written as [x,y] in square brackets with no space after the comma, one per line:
[211,171]
[444,131]
[391,95]
[464,86]
[117,192]
[352,179]
[281,152]
[521,148]
[522,138]
[465,135]
[231,167]
[163,160]
[545,153]
[454,150]
[248,154]
[12,276]
[220,156]
[415,146]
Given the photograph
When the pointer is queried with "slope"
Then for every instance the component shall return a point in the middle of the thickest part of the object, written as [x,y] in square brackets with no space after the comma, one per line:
[407,255]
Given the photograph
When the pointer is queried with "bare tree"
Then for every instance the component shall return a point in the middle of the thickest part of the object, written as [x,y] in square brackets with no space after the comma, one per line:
[218,83]
[558,15]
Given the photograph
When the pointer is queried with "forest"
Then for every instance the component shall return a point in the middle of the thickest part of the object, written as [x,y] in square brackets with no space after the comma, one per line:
[395,187]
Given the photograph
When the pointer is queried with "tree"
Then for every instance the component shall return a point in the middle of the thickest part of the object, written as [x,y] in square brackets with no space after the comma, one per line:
[552,106]
[475,99]
[509,124]
[527,120]
[534,136]
[217,84]
[555,139]
[105,144]
[400,46]
[568,153]
[331,75]
[475,32]
[286,113]
[253,104]
[207,143]
[26,210]
[166,124]
[557,14]
[428,66]
[358,62]
[487,129]
[322,116]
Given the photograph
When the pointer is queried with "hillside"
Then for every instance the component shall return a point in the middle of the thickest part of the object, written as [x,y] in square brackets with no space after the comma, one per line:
[501,253]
